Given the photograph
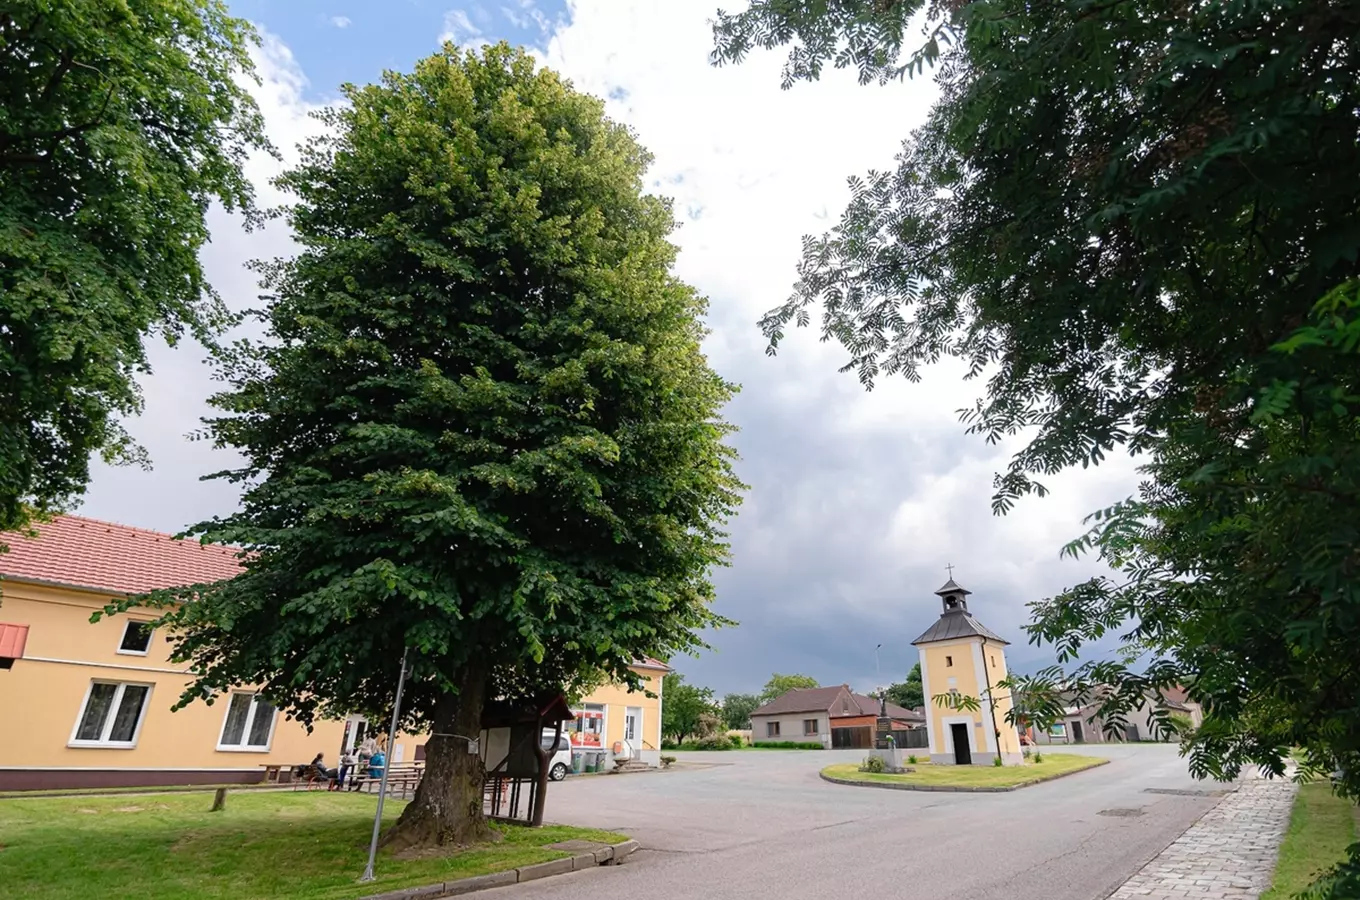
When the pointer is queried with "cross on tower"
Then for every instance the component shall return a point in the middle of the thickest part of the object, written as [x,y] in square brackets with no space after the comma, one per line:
[950,567]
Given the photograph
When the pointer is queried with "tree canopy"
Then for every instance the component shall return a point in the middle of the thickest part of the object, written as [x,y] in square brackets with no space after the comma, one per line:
[1136,222]
[480,428]
[779,685]
[737,709]
[119,124]
[682,707]
[909,694]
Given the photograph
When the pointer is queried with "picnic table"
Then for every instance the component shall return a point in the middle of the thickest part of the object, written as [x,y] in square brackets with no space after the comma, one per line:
[402,779]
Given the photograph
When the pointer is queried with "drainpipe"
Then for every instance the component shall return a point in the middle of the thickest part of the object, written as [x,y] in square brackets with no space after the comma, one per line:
[991,707]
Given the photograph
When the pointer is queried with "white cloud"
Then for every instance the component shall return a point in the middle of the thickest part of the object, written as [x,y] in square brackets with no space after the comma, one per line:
[752,169]
[340,21]
[459,29]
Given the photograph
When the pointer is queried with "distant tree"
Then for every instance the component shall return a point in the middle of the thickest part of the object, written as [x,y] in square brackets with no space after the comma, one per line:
[778,685]
[737,709]
[120,124]
[683,707]
[481,430]
[910,693]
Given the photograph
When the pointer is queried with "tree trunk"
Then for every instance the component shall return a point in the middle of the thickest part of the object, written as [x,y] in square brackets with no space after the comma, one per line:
[447,809]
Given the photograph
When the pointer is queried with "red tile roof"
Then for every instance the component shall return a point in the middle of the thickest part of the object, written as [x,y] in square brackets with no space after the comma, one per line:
[87,553]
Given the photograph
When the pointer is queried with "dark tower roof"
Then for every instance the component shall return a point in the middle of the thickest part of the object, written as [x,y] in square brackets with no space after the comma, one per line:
[955,620]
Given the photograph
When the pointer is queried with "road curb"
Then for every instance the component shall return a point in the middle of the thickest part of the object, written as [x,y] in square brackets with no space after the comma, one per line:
[956,790]
[605,856]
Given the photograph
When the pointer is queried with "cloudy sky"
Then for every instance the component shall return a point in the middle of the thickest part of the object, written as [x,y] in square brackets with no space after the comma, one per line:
[858,500]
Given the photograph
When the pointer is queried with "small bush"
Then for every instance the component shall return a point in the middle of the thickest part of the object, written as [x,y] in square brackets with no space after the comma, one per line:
[666,761]
[736,741]
[912,760]
[788,745]
[1038,757]
[670,745]
[872,764]
[996,762]
[713,742]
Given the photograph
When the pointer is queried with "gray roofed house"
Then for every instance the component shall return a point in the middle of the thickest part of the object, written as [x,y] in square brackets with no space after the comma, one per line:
[832,716]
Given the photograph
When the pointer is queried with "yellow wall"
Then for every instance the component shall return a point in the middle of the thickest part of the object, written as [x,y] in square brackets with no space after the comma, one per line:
[966,675]
[616,699]
[42,697]
[43,694]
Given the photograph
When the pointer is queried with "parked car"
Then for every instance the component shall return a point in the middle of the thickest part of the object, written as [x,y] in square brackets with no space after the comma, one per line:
[560,763]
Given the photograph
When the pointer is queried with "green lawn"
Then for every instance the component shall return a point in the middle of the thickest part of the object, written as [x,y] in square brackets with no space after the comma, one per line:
[299,845]
[973,776]
[1320,828]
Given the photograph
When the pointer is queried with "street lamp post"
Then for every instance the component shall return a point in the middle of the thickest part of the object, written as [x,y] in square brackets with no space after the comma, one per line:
[387,767]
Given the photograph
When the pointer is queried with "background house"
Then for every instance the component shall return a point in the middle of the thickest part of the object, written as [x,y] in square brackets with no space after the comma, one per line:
[832,716]
[1081,723]
[89,704]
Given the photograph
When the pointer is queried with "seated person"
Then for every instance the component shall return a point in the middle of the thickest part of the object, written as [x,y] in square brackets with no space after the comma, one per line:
[376,763]
[319,769]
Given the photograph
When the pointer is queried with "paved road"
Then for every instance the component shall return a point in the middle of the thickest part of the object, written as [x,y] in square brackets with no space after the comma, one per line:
[763,824]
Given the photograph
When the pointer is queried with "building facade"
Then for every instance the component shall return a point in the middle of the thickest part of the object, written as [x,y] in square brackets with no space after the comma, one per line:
[90,704]
[961,657]
[835,717]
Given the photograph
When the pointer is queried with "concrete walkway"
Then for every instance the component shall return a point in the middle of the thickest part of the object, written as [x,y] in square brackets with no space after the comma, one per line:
[1227,855]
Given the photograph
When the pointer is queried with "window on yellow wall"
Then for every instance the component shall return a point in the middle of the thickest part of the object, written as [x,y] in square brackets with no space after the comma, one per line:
[993,662]
[111,715]
[948,662]
[136,638]
[249,724]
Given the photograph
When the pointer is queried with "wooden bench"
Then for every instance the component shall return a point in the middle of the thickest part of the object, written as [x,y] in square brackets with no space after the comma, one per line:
[402,779]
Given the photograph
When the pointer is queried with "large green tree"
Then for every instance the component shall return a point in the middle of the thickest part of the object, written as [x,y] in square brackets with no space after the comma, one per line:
[1137,221]
[737,709]
[682,705]
[480,430]
[119,124]
[778,685]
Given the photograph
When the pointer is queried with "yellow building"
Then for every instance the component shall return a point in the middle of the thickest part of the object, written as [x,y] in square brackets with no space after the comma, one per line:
[962,657]
[89,705]
[612,715]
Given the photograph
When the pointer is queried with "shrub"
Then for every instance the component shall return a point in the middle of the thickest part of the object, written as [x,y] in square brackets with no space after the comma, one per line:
[788,745]
[996,762]
[670,745]
[666,761]
[912,760]
[713,742]
[1038,757]
[736,741]
[872,764]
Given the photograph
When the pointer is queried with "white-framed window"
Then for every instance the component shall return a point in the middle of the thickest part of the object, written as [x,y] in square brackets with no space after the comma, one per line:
[111,715]
[136,638]
[249,724]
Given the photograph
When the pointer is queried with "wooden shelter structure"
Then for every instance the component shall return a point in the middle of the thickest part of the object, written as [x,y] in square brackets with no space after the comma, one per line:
[514,734]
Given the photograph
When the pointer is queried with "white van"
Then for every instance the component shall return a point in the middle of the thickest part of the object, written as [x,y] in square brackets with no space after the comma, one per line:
[560,762]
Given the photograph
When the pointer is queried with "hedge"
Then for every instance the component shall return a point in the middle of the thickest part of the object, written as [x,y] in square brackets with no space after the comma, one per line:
[788,745]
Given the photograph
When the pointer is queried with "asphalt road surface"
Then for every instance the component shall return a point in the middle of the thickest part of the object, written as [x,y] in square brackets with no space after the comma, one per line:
[762,824]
